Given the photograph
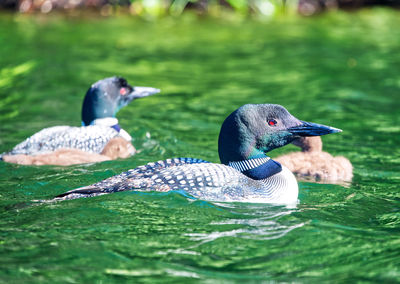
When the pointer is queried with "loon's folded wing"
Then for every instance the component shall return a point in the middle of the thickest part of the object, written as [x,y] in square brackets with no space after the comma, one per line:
[199,178]
[89,139]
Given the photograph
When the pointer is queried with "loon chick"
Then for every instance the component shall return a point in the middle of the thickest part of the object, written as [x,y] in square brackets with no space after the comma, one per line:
[246,173]
[66,145]
[316,164]
[115,148]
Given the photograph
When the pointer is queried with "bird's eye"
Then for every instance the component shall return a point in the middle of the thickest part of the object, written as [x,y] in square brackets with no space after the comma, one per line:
[272,122]
[123,91]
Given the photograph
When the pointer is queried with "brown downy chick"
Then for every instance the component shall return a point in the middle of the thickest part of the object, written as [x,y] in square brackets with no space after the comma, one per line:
[314,163]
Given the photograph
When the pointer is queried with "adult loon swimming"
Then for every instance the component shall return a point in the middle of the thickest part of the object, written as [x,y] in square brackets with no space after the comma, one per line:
[98,139]
[246,174]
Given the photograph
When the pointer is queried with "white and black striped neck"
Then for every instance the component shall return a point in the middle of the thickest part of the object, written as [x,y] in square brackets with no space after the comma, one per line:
[245,165]
[113,123]
[106,121]
[258,168]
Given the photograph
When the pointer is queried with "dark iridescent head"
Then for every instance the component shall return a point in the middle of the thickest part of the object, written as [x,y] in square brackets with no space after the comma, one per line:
[253,130]
[107,96]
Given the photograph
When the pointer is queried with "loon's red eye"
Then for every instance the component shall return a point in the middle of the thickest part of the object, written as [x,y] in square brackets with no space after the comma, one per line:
[123,91]
[272,122]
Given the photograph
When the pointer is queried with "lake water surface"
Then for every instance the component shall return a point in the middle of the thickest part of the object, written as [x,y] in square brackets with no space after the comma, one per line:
[337,69]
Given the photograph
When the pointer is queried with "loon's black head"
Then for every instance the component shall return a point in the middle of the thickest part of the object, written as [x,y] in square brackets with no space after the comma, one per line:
[253,130]
[106,97]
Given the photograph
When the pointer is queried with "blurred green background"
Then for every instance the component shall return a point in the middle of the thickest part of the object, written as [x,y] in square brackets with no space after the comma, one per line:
[159,8]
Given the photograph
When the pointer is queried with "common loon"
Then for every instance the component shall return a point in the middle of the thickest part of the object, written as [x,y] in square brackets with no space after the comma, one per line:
[65,145]
[246,174]
[316,164]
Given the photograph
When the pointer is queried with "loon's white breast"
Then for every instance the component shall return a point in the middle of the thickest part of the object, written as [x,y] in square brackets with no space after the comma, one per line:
[281,188]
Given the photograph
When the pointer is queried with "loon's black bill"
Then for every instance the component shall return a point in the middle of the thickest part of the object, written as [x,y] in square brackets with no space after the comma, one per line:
[312,129]
[141,92]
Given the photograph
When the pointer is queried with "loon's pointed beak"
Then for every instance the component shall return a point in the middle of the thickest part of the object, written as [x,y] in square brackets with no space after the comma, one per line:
[312,129]
[141,92]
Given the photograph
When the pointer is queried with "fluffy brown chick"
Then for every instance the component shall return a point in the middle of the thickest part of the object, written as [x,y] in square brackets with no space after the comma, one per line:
[116,148]
[314,163]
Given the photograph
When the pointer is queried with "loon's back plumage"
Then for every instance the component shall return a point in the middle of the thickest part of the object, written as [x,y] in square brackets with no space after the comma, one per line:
[246,174]
[198,178]
[92,139]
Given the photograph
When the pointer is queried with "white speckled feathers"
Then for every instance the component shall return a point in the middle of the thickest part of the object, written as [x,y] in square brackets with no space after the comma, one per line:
[198,178]
[90,139]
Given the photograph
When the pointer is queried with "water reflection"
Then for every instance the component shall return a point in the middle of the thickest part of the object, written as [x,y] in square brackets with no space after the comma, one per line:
[258,222]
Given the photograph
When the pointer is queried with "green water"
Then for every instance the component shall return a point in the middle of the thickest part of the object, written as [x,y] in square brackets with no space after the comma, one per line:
[337,69]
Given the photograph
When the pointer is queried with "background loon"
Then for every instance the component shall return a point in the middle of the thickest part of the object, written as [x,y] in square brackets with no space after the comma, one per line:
[65,145]
[316,164]
[246,173]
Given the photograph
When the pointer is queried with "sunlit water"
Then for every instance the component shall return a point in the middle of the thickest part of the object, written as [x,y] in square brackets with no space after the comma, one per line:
[338,69]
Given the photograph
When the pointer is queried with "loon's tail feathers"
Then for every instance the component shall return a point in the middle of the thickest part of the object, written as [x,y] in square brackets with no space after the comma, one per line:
[81,192]
[140,178]
[2,155]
